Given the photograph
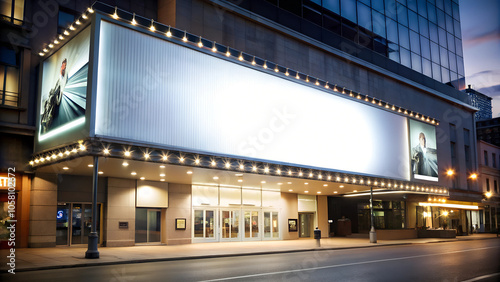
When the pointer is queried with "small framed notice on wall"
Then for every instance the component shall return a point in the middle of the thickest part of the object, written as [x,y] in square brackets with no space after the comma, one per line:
[292,225]
[180,224]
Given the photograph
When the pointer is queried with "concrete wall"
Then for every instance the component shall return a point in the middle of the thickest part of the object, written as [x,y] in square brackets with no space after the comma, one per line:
[179,206]
[43,208]
[78,188]
[120,206]
[289,210]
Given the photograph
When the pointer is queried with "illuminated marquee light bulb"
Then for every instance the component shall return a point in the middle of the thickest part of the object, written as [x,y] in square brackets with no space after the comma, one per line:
[66,32]
[278,171]
[289,172]
[71,27]
[265,65]
[373,101]
[184,38]
[41,54]
[335,88]
[350,93]
[181,159]
[297,76]
[106,151]
[165,157]
[169,34]
[326,85]
[254,168]
[51,45]
[84,16]
[300,173]
[359,96]
[320,176]
[66,152]
[61,37]
[82,147]
[54,156]
[366,98]
[146,156]
[311,174]
[276,69]
[134,22]
[286,72]
[240,57]
[338,178]
[200,43]
[115,15]
[78,22]
[266,169]
[228,165]
[56,41]
[343,90]
[253,61]
[242,167]
[152,27]
[197,161]
[213,163]
[45,50]
[127,153]
[228,53]
[317,82]
[60,154]
[90,10]
[329,177]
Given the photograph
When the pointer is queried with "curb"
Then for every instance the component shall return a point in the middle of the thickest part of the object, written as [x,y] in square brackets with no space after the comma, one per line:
[233,255]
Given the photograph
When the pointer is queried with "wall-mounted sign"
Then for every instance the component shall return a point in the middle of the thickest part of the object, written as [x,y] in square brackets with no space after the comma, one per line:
[180,224]
[123,224]
[292,225]
[424,164]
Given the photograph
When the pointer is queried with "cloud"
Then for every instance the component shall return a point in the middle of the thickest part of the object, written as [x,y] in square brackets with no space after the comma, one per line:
[492,91]
[479,38]
[484,79]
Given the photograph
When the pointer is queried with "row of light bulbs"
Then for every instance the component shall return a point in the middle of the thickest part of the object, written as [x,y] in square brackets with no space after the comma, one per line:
[249,59]
[181,158]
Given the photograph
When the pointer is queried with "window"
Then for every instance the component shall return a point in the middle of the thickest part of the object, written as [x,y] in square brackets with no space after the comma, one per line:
[13,11]
[486,158]
[495,186]
[9,77]
[64,20]
[494,160]
[487,185]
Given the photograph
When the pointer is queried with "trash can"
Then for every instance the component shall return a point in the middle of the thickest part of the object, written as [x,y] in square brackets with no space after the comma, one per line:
[317,233]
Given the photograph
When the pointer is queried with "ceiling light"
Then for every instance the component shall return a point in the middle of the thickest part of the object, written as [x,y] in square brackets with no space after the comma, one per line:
[306,191]
[162,174]
[216,178]
[90,165]
[100,172]
[142,178]
[65,168]
[290,190]
[262,182]
[133,173]
[124,164]
[162,166]
[162,179]
[189,172]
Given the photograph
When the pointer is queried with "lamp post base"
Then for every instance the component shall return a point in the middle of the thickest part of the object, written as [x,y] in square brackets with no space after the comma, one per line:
[92,252]
[373,235]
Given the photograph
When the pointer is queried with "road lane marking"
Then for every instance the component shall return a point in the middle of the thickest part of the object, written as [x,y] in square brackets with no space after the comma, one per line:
[482,277]
[342,265]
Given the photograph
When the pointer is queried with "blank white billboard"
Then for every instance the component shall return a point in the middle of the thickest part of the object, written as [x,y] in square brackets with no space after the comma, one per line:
[157,92]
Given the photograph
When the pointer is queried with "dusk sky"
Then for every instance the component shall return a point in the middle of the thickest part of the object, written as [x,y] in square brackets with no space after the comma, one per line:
[480,20]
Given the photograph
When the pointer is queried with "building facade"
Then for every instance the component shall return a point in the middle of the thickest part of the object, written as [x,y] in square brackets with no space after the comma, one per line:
[489,175]
[480,101]
[214,121]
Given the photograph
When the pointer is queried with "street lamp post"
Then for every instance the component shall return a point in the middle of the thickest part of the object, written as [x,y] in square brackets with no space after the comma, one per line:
[92,252]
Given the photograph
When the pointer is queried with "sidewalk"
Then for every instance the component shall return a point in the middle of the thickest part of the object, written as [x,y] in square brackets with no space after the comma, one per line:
[62,257]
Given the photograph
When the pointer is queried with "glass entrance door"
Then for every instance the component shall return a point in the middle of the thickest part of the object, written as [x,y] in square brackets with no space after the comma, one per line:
[81,222]
[147,225]
[230,225]
[271,225]
[306,222]
[251,219]
[204,225]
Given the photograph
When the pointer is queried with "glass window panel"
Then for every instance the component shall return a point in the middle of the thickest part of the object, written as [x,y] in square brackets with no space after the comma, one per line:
[436,72]
[348,8]
[332,24]
[442,37]
[275,225]
[402,2]
[449,24]
[433,32]
[454,79]
[366,2]
[435,53]
[378,23]
[447,7]
[141,225]
[414,42]
[2,79]
[440,4]
[443,53]
[12,81]
[19,9]
[405,57]
[404,37]
[394,52]
[456,13]
[402,14]
[431,13]
[452,58]
[267,224]
[6,8]
[458,47]
[416,62]
[392,31]
[198,223]
[312,15]
[445,75]
[8,56]
[332,5]
[255,224]
[441,21]
[422,8]
[364,16]
[230,196]
[378,5]
[460,66]
[205,195]
[458,30]
[390,9]
[413,20]
[425,48]
[427,67]
[251,197]
[451,42]
[65,19]
[423,26]
[316,2]
[209,224]
[412,4]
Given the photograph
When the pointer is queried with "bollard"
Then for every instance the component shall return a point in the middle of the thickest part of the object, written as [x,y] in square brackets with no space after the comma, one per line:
[373,235]
[317,237]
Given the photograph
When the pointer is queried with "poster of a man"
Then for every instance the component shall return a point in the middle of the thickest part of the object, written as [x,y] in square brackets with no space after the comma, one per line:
[51,104]
[423,151]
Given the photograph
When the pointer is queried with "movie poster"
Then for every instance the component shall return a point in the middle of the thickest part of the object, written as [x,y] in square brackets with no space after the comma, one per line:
[423,153]
[64,86]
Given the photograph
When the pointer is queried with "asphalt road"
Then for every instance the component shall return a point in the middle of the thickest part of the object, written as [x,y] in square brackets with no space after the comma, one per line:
[477,260]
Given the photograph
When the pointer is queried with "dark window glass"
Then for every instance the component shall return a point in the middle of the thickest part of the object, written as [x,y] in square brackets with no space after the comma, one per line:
[364,16]
[414,42]
[332,24]
[349,32]
[312,15]
[348,10]
[431,12]
[423,26]
[460,66]
[427,67]
[449,24]
[413,20]
[435,53]
[442,37]
[441,21]
[378,23]
[402,2]
[494,163]
[443,53]
[458,30]
[450,39]
[318,2]
[454,79]
[458,47]
[436,72]
[412,4]
[404,39]
[332,5]
[378,5]
[393,50]
[293,6]
[445,75]
[496,186]
[456,13]
[452,58]
[402,15]
[447,7]
[422,8]
[415,62]
[405,57]
[64,20]
[487,184]
[8,56]
[380,45]
[485,153]
[433,32]
[366,2]
[390,9]
[440,4]
[392,31]
[425,48]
